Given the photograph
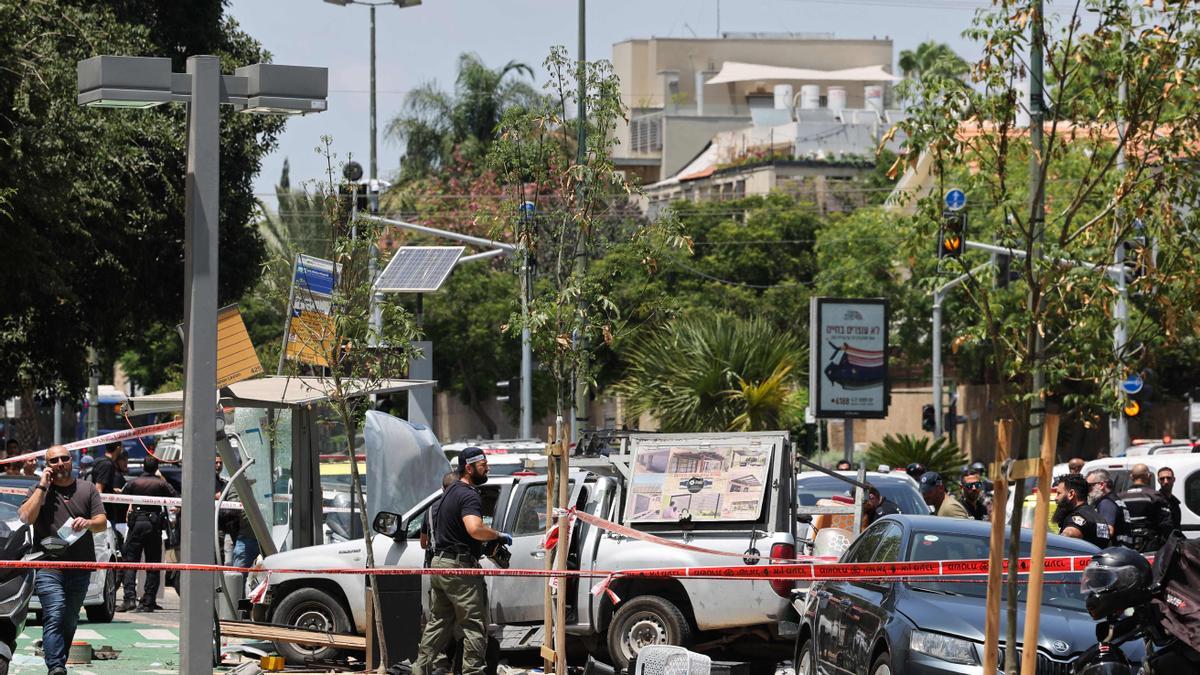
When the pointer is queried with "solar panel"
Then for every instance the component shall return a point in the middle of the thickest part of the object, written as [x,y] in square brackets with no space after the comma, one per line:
[418,269]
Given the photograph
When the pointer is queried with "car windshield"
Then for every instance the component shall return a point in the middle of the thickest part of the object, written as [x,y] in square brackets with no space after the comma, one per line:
[1059,590]
[812,488]
[11,496]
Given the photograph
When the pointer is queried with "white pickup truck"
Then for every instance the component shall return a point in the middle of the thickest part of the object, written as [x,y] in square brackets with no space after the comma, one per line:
[726,492]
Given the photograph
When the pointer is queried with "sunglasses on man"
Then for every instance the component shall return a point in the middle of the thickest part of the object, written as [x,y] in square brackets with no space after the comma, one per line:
[58,460]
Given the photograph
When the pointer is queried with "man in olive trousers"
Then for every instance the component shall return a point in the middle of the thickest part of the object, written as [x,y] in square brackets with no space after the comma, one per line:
[458,600]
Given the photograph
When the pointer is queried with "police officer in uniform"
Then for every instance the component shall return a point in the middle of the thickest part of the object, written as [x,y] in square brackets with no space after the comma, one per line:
[1076,518]
[1149,514]
[877,506]
[1111,509]
[459,601]
[146,524]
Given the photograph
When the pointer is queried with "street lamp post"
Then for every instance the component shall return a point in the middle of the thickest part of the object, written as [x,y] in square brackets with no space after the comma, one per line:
[145,82]
[398,3]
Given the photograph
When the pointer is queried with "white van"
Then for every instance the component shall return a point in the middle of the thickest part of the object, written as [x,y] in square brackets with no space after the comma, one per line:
[1187,481]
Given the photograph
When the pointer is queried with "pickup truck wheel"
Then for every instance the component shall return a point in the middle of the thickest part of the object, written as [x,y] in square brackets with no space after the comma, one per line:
[310,609]
[645,620]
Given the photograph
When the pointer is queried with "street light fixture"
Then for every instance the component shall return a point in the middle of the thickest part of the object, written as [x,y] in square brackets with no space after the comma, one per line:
[398,3]
[144,82]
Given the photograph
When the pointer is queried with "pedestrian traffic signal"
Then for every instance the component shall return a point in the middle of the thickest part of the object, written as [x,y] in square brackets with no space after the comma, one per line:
[952,235]
[1005,274]
[928,418]
[1132,408]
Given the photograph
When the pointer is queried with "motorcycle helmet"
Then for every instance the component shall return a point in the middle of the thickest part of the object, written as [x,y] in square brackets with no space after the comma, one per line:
[915,470]
[1116,579]
[979,468]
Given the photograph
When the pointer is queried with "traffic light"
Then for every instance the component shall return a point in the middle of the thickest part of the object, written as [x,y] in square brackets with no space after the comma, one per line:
[928,418]
[1005,274]
[952,235]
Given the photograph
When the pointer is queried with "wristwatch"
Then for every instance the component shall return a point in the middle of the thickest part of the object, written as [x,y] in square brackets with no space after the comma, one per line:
[39,486]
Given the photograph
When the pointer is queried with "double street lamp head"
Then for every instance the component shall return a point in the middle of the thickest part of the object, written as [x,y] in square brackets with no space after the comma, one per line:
[398,3]
[144,82]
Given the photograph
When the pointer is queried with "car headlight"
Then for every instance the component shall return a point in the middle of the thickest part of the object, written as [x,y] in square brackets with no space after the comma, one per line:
[943,647]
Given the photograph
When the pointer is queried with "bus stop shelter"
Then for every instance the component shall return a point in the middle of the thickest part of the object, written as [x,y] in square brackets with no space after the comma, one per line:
[276,421]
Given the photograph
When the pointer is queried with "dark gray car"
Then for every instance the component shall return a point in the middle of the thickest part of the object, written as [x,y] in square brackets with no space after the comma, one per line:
[933,627]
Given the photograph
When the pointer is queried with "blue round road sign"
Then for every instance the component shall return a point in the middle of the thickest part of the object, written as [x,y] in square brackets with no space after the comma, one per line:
[1132,384]
[955,199]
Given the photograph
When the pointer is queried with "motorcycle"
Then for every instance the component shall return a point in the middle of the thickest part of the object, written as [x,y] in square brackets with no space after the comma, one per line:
[1128,598]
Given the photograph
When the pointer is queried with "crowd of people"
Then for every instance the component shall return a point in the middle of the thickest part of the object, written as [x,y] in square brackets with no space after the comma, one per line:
[1084,507]
[65,506]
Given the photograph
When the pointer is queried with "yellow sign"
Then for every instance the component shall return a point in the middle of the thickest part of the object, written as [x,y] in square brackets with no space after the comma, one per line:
[310,338]
[236,358]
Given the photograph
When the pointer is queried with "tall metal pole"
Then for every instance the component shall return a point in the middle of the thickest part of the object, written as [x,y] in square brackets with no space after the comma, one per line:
[938,419]
[93,411]
[58,421]
[200,362]
[526,341]
[1118,436]
[580,415]
[1037,404]
[374,165]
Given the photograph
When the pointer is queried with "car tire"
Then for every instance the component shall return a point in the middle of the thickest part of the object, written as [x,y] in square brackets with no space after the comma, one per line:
[645,620]
[803,662]
[4,661]
[312,609]
[882,665]
[104,613]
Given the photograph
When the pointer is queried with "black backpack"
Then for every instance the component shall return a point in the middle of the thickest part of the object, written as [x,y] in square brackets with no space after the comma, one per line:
[1176,588]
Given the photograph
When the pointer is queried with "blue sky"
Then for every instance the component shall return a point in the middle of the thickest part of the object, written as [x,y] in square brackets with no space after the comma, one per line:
[422,43]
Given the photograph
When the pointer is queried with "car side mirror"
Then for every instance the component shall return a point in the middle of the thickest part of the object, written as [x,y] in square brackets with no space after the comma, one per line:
[387,524]
[805,518]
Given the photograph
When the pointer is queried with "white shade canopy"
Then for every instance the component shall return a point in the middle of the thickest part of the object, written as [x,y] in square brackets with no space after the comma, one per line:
[276,392]
[736,71]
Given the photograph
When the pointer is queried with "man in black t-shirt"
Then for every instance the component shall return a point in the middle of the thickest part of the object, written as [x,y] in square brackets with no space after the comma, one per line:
[146,524]
[59,504]
[459,601]
[108,473]
[1076,518]
[877,506]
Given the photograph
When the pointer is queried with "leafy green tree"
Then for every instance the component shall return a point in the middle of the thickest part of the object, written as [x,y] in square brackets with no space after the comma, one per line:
[933,59]
[93,234]
[1058,318]
[714,373]
[570,315]
[435,123]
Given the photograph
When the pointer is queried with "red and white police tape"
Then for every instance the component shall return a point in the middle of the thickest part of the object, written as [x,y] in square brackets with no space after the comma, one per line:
[95,441]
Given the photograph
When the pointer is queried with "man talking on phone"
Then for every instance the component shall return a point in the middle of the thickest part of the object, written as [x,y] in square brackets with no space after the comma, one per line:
[61,506]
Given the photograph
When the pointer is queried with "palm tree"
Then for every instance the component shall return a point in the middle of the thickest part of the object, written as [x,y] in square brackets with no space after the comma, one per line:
[713,373]
[899,451]
[933,59]
[297,226]
[433,122]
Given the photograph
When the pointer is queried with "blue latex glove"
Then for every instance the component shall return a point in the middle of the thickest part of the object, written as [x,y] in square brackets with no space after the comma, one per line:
[505,538]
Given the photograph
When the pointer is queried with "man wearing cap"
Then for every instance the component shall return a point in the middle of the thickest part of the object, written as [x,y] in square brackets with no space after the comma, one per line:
[459,601]
[934,492]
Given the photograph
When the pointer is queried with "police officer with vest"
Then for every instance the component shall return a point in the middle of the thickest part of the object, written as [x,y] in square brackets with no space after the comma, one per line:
[146,524]
[459,601]
[1111,509]
[1076,518]
[1149,514]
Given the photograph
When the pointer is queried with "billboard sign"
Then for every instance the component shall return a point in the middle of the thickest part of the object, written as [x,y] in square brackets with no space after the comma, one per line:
[848,368]
[709,481]
[310,331]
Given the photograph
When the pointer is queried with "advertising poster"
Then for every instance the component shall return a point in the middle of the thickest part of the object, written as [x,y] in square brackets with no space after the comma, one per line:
[310,330]
[699,482]
[848,369]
